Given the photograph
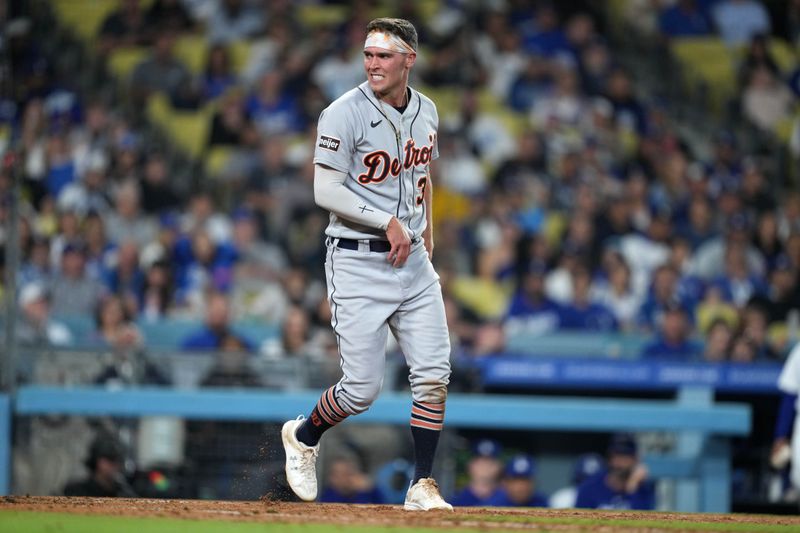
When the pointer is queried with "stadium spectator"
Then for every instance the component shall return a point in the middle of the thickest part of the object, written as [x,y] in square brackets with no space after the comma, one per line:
[115,326]
[171,15]
[156,298]
[684,19]
[36,326]
[230,124]
[127,221]
[201,265]
[158,195]
[484,469]
[625,483]
[531,311]
[673,340]
[125,26]
[233,20]
[162,72]
[106,479]
[73,292]
[708,261]
[616,292]
[348,484]
[519,485]
[586,466]
[125,277]
[754,327]
[784,290]
[216,329]
[718,341]
[581,313]
[90,192]
[766,100]
[739,20]
[272,107]
[218,76]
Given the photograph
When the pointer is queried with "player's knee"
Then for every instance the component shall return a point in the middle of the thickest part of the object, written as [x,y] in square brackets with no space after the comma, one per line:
[430,391]
[359,398]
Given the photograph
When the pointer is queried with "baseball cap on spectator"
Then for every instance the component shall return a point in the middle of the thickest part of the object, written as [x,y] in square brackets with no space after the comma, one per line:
[169,220]
[587,466]
[521,465]
[536,267]
[129,141]
[487,448]
[31,293]
[242,214]
[622,444]
[738,222]
[74,248]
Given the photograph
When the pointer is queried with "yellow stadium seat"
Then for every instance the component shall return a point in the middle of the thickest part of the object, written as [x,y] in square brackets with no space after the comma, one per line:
[240,55]
[83,17]
[784,55]
[315,16]
[216,159]
[707,63]
[188,129]
[192,50]
[449,205]
[486,298]
[123,60]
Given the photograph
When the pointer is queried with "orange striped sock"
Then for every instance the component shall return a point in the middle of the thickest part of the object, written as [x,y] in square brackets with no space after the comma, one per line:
[427,420]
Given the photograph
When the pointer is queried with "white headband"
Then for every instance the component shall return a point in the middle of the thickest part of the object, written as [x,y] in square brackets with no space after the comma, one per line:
[388,41]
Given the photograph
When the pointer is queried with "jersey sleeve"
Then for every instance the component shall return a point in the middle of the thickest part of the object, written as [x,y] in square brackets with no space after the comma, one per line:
[789,379]
[336,135]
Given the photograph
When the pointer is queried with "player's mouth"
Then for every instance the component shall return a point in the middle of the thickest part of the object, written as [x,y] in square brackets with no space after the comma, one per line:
[376,77]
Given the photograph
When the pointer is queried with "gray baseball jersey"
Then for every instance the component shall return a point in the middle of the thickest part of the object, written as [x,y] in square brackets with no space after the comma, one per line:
[386,155]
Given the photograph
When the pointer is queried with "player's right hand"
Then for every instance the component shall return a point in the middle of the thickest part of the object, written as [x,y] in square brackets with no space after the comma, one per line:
[400,242]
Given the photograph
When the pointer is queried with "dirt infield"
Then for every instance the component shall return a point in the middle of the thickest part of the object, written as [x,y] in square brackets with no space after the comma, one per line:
[393,516]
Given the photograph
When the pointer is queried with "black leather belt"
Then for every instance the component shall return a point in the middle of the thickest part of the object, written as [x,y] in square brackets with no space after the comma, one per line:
[374,246]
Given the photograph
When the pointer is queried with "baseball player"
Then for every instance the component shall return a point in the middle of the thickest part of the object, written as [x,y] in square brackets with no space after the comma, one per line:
[786,430]
[373,155]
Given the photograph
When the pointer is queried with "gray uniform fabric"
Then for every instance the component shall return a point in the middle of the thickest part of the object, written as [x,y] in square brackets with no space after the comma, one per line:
[387,158]
[386,155]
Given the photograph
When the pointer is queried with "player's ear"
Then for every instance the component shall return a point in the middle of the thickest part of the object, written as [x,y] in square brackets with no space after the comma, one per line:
[410,60]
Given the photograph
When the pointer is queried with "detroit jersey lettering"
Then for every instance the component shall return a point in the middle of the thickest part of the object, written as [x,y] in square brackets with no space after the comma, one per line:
[386,155]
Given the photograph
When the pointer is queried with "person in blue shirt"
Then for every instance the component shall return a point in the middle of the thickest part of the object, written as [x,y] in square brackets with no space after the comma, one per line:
[624,485]
[519,485]
[348,484]
[582,313]
[216,329]
[484,472]
[531,311]
[684,19]
[673,339]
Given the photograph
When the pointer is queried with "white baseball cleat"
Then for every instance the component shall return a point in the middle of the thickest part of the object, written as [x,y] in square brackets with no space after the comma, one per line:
[424,496]
[301,461]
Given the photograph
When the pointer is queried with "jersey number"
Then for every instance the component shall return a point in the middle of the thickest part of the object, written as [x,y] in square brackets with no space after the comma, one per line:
[422,183]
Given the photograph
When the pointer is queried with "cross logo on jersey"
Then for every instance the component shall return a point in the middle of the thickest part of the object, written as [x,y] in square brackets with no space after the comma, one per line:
[379,163]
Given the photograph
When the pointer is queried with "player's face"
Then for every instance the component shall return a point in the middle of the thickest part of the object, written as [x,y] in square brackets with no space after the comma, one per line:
[387,71]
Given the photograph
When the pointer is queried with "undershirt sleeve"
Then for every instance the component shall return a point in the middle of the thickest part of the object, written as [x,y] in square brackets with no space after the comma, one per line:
[330,193]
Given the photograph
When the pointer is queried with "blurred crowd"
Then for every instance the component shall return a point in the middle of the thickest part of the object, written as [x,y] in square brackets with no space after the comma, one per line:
[577,206]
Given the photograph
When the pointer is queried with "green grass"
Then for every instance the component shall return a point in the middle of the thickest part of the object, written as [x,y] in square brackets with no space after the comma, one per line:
[45,522]
[697,525]
[38,522]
